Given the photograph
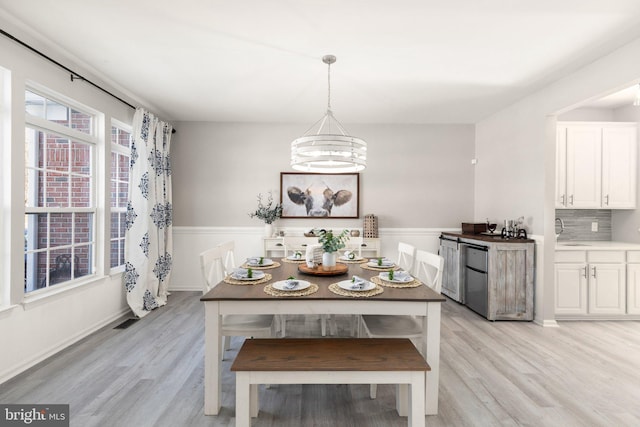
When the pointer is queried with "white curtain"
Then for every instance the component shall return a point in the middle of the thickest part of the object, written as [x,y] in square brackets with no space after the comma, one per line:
[148,240]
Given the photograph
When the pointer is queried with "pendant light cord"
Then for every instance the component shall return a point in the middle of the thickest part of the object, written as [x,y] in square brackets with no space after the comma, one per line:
[329,86]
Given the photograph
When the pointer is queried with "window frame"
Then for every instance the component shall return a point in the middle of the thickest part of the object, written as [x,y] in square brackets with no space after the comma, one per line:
[125,151]
[92,140]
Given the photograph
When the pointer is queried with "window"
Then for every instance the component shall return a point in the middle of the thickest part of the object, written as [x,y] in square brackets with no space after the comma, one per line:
[120,158]
[60,201]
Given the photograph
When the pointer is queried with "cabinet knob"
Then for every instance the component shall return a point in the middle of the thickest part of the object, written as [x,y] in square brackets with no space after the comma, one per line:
[584,274]
[571,200]
[594,272]
[606,200]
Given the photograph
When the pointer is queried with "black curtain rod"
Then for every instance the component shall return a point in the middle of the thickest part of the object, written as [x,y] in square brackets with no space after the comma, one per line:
[74,75]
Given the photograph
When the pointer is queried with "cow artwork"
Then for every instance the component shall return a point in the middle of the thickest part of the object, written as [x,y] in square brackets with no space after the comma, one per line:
[318,199]
[319,195]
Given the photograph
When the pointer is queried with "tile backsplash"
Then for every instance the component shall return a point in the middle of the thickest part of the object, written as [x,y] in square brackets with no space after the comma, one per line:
[577,224]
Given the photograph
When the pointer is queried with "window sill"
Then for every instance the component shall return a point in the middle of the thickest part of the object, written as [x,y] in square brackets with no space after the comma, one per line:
[54,293]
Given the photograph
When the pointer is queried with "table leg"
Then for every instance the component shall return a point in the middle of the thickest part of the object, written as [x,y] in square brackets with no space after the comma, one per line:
[431,331]
[212,358]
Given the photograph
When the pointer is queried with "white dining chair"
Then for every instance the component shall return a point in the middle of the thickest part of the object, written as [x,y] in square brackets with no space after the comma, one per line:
[428,269]
[354,244]
[228,256]
[233,325]
[297,243]
[301,243]
[406,255]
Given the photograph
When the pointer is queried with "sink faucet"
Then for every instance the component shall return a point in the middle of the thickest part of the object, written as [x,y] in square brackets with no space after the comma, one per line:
[561,227]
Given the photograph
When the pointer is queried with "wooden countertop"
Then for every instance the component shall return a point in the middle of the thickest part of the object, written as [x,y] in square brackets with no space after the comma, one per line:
[496,238]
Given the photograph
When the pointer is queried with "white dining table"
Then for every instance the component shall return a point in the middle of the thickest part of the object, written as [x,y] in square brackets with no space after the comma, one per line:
[226,299]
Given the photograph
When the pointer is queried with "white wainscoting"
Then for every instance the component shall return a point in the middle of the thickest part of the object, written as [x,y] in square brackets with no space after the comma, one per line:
[189,242]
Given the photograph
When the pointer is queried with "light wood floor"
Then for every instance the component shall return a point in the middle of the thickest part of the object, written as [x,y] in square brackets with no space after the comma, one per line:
[492,374]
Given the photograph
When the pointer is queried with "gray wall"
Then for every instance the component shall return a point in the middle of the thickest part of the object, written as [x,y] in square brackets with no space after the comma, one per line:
[417,175]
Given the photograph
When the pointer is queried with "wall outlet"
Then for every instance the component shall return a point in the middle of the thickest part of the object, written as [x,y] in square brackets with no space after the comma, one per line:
[594,226]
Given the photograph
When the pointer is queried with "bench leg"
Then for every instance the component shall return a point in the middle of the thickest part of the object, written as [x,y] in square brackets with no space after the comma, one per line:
[416,392]
[243,400]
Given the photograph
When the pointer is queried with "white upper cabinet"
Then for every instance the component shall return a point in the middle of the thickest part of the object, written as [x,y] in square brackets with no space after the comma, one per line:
[584,179]
[596,165]
[619,153]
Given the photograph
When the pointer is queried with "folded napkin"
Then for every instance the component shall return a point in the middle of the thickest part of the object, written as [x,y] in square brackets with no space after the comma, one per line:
[358,283]
[291,284]
[402,276]
[240,273]
[243,273]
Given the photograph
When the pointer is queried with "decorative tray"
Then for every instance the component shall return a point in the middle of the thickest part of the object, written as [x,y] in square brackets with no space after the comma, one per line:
[320,271]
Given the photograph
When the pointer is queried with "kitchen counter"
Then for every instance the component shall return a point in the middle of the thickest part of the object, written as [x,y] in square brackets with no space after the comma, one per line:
[495,238]
[596,246]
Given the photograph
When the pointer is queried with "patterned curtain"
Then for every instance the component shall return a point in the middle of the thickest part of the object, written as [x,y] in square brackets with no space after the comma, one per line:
[148,240]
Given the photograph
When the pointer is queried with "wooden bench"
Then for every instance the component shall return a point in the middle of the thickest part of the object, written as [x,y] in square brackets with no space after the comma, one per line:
[328,361]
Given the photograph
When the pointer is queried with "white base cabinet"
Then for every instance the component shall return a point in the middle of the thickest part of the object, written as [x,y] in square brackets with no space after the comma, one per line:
[571,288]
[592,283]
[633,288]
[607,289]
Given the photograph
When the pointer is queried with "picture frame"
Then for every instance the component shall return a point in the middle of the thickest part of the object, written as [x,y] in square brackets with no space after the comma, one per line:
[319,195]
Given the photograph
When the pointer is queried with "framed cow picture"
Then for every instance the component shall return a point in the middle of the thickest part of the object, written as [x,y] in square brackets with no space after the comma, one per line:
[318,195]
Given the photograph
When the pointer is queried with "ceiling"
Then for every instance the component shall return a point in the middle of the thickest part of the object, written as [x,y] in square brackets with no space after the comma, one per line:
[407,61]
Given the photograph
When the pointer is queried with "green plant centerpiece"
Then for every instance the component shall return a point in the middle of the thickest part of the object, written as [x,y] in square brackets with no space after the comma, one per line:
[331,243]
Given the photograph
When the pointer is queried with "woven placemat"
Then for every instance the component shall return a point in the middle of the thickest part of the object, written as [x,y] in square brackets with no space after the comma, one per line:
[293,261]
[352,261]
[357,294]
[365,266]
[269,289]
[230,280]
[275,264]
[380,281]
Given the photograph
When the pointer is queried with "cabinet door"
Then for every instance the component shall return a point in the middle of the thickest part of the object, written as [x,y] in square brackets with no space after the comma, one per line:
[571,288]
[607,288]
[561,167]
[451,270]
[619,163]
[633,288]
[584,166]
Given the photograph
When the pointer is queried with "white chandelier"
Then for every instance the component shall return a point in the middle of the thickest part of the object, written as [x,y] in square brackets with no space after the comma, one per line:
[329,149]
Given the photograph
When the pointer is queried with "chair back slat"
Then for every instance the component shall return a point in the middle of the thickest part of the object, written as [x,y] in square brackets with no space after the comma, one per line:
[211,264]
[429,269]
[406,256]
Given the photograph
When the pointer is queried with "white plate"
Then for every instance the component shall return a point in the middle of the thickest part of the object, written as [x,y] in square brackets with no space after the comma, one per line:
[282,285]
[257,275]
[293,258]
[385,276]
[265,262]
[347,285]
[387,264]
